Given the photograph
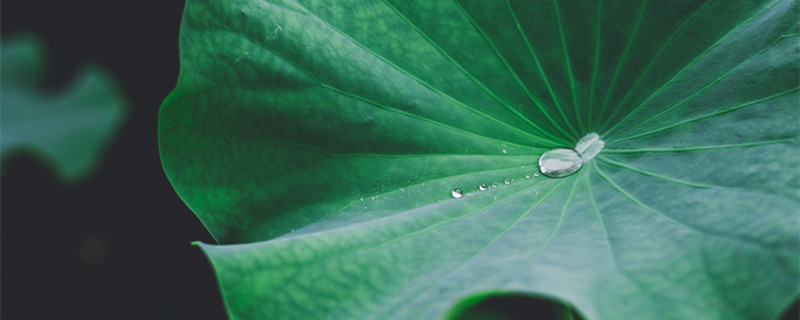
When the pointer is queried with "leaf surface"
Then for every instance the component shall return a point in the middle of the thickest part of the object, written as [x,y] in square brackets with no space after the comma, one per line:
[320,143]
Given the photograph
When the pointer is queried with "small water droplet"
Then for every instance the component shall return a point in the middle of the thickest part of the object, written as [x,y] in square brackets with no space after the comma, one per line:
[507,181]
[365,207]
[535,174]
[560,162]
[457,193]
[589,146]
[505,151]
[482,187]
[362,198]
[494,185]
[527,176]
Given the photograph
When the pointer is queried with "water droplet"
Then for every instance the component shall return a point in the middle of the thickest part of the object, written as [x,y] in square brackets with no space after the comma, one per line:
[482,187]
[362,198]
[560,162]
[507,181]
[589,146]
[494,185]
[527,176]
[505,151]
[535,174]
[457,193]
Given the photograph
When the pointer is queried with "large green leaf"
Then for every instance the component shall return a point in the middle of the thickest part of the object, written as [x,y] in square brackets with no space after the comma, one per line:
[328,135]
[69,129]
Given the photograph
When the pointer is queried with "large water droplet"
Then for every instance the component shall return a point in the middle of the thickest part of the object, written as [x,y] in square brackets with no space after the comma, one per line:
[457,193]
[482,187]
[560,162]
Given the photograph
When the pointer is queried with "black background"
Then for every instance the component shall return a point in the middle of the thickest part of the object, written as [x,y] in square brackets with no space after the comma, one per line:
[114,246]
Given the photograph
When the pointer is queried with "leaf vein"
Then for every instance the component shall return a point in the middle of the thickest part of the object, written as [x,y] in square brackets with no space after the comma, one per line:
[416,79]
[623,57]
[656,56]
[707,87]
[539,68]
[464,71]
[690,64]
[706,116]
[702,148]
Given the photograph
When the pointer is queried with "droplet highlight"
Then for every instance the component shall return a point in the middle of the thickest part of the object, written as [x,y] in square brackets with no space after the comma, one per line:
[507,181]
[457,193]
[527,176]
[560,162]
[482,187]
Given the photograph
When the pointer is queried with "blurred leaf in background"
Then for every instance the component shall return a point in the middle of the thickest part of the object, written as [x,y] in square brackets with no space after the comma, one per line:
[69,129]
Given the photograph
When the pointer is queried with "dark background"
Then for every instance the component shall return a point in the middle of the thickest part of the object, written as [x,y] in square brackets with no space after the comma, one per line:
[116,245]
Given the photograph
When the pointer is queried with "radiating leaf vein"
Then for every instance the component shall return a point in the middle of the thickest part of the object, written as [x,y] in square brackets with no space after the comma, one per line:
[600,219]
[536,61]
[416,79]
[689,65]
[701,148]
[706,116]
[650,64]
[467,73]
[710,85]
[479,251]
[513,73]
[622,59]
[700,231]
[443,125]
[654,175]
[570,76]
